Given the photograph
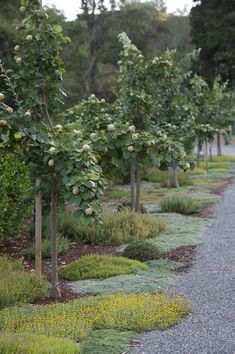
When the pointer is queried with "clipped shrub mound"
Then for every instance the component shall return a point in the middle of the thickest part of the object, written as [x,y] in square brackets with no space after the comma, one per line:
[76,319]
[62,248]
[36,344]
[100,266]
[17,286]
[179,203]
[142,251]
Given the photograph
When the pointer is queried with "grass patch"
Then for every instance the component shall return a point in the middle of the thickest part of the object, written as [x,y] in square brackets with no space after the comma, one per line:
[158,277]
[36,344]
[155,175]
[62,248]
[77,319]
[108,341]
[100,266]
[17,286]
[142,251]
[119,194]
[179,203]
[224,158]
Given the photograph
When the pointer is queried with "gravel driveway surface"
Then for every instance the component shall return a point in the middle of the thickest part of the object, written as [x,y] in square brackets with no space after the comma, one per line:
[210,285]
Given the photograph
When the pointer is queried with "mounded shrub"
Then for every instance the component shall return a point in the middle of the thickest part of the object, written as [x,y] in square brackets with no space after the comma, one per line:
[36,344]
[179,203]
[142,251]
[18,286]
[116,228]
[62,248]
[100,266]
[15,203]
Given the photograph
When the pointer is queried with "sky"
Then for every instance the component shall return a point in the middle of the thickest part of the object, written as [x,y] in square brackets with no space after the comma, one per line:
[71,7]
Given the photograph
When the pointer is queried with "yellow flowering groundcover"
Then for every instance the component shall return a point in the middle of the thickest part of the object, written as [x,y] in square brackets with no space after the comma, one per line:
[77,319]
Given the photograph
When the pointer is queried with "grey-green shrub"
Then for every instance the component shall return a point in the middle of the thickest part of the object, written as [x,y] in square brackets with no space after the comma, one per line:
[15,202]
[179,203]
[62,248]
[142,251]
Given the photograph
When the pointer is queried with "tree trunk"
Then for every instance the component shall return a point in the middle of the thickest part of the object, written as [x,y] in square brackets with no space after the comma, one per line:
[206,155]
[137,201]
[133,171]
[168,179]
[211,155]
[219,150]
[38,232]
[55,290]
[175,178]
[198,154]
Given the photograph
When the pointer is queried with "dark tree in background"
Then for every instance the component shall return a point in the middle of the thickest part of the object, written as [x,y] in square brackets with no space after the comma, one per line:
[213,30]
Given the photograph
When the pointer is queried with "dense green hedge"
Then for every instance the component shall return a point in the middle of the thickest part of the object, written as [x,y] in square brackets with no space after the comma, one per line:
[14,194]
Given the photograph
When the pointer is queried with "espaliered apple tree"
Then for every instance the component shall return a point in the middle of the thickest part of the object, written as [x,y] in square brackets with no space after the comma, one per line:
[62,160]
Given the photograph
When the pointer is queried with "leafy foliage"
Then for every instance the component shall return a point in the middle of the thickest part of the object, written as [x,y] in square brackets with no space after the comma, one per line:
[100,266]
[15,187]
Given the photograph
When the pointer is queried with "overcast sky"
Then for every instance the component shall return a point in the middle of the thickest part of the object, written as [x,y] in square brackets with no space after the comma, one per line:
[71,7]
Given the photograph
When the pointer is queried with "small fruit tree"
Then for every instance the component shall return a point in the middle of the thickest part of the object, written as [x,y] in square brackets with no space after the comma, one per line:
[173,108]
[125,132]
[60,159]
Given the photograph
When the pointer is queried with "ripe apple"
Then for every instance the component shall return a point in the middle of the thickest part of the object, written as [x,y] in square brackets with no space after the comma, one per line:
[135,137]
[51,163]
[58,127]
[17,48]
[29,38]
[28,113]
[3,122]
[52,150]
[131,128]
[9,110]
[75,190]
[1,96]
[130,148]
[86,148]
[93,135]
[18,60]
[89,211]
[22,9]
[111,127]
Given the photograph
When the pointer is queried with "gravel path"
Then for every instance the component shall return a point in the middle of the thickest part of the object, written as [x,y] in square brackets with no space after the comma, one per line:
[210,285]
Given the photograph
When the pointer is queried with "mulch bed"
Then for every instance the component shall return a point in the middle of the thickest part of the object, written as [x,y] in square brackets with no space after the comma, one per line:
[183,254]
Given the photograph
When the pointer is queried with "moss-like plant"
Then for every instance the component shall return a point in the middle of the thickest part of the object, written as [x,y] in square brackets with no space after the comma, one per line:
[142,251]
[100,266]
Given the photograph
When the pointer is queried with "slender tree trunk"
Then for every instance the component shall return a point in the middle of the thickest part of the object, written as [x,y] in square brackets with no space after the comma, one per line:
[198,153]
[175,178]
[138,181]
[219,150]
[55,290]
[133,171]
[168,179]
[206,155]
[210,150]
[38,232]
